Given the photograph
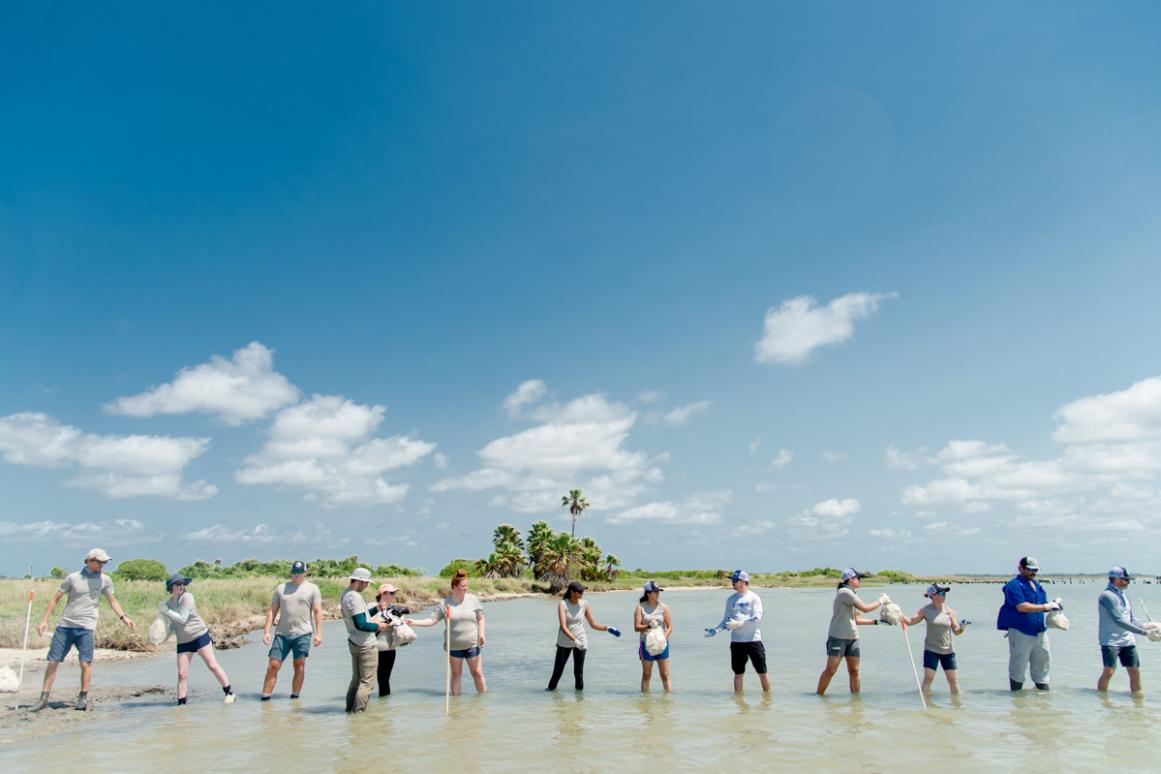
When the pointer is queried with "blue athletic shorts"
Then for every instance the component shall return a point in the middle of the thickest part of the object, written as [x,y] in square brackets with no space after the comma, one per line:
[1127,655]
[644,654]
[284,644]
[193,646]
[471,652]
[65,637]
[933,661]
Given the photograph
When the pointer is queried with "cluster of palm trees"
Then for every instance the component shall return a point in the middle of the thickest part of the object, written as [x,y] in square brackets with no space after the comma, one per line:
[553,557]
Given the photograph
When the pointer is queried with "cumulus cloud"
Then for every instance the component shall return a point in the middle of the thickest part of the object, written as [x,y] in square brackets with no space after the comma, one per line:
[323,446]
[699,508]
[116,532]
[799,325]
[1128,415]
[118,466]
[578,443]
[264,534]
[525,394]
[783,458]
[828,518]
[244,388]
[896,459]
[680,415]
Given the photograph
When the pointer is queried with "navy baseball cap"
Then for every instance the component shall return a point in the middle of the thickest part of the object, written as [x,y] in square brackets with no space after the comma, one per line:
[651,586]
[298,568]
[740,575]
[1120,572]
[851,572]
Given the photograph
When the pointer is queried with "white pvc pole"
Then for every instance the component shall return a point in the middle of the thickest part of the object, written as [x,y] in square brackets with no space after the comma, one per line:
[1145,607]
[447,666]
[24,650]
[914,671]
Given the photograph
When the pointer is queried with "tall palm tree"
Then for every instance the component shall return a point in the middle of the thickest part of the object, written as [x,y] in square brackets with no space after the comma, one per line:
[505,534]
[612,562]
[509,560]
[576,503]
[561,556]
[538,536]
[590,558]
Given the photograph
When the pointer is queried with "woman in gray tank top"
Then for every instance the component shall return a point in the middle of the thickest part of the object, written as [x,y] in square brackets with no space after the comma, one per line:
[572,612]
[652,613]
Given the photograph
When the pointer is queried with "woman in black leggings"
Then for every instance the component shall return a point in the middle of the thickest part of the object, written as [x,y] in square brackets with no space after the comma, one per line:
[570,638]
[389,613]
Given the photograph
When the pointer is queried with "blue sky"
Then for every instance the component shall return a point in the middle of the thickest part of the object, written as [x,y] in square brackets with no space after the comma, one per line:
[785,285]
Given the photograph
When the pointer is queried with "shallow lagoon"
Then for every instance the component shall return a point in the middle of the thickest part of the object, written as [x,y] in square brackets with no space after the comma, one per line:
[702,725]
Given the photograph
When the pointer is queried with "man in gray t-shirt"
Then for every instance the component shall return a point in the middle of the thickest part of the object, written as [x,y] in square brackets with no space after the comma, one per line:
[84,590]
[296,604]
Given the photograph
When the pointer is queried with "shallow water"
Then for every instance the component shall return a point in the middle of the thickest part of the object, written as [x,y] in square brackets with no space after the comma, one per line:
[517,726]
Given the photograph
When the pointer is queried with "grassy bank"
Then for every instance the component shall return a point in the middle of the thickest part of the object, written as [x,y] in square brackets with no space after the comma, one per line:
[232,607]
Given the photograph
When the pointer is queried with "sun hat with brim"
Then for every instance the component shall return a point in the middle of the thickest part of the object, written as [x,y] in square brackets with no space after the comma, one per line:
[740,575]
[175,579]
[1120,572]
[98,554]
[360,574]
[387,588]
[1029,563]
[651,586]
[851,572]
[935,588]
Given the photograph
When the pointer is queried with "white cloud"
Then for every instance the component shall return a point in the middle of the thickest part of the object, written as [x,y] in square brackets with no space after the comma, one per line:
[699,508]
[650,396]
[116,532]
[901,460]
[889,533]
[828,518]
[799,326]
[833,456]
[525,394]
[238,390]
[118,466]
[1128,415]
[440,460]
[680,415]
[578,443]
[783,458]
[323,445]
[260,534]
[836,509]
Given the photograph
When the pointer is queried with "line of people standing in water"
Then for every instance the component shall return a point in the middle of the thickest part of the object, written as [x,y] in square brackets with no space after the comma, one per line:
[375,631]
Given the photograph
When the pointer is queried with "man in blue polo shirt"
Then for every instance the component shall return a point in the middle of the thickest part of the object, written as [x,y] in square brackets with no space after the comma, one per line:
[1022,615]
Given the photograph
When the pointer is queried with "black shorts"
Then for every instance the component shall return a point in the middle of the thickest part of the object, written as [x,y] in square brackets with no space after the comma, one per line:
[754,651]
[837,646]
[193,646]
[1127,655]
[933,661]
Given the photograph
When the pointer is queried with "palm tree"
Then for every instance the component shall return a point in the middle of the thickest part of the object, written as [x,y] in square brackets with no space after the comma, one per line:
[560,558]
[576,503]
[611,565]
[509,560]
[505,534]
[538,536]
[590,558]
[488,567]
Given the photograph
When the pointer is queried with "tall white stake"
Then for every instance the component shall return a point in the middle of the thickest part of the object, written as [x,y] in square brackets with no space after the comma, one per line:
[914,671]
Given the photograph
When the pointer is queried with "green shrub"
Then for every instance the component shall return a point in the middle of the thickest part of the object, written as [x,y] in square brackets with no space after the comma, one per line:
[396,571]
[142,569]
[57,572]
[449,570]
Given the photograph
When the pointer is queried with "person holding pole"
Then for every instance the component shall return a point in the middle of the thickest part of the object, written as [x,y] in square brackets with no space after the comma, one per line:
[741,617]
[361,632]
[938,649]
[296,604]
[465,637]
[75,628]
[1117,625]
[842,641]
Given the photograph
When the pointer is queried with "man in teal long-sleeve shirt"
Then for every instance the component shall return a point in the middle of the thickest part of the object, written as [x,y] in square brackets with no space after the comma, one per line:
[360,640]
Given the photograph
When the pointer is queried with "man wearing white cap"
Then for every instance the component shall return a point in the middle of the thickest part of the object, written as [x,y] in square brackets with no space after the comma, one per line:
[1022,615]
[361,633]
[1116,629]
[741,618]
[76,625]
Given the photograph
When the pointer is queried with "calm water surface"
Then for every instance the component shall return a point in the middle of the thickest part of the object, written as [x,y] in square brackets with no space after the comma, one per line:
[517,726]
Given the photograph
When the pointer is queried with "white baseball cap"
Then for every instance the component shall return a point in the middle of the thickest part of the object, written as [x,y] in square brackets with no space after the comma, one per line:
[361,574]
[98,554]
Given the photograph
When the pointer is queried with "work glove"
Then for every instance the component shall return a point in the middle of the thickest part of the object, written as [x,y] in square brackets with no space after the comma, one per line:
[1154,635]
[654,623]
[1051,606]
[734,623]
[884,599]
[614,631]
[710,632]
[1059,603]
[1152,625]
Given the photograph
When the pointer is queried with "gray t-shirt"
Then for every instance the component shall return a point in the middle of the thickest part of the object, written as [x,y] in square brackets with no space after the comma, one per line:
[939,634]
[194,626]
[842,619]
[84,589]
[352,603]
[574,618]
[465,632]
[296,607]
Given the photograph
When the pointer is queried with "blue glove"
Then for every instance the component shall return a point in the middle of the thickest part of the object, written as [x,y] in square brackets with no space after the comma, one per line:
[614,631]
[710,632]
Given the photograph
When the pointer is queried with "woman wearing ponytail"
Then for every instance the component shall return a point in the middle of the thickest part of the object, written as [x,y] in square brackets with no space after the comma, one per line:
[467,631]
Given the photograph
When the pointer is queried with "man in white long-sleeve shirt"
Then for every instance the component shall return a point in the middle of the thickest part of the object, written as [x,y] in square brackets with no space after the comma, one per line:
[741,618]
[1116,627]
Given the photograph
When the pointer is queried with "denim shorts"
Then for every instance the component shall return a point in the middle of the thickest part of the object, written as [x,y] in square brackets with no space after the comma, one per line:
[646,656]
[1126,654]
[65,637]
[193,646]
[933,661]
[471,652]
[284,644]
